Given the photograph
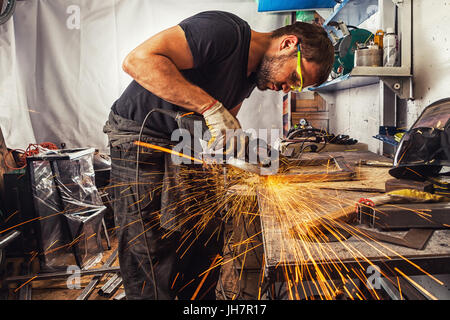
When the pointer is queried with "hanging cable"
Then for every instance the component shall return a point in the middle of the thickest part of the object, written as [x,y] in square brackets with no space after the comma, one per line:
[139,205]
[32,150]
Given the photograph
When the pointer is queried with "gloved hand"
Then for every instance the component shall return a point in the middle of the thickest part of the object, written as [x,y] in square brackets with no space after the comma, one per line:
[219,120]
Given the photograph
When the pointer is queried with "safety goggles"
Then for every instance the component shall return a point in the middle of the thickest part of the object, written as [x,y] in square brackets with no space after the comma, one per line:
[299,71]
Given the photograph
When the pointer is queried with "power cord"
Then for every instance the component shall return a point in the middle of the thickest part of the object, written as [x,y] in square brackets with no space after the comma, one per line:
[139,204]
[174,115]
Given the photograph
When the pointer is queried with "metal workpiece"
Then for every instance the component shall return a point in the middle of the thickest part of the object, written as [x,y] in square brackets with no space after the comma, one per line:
[325,169]
[111,286]
[420,219]
[63,274]
[253,168]
[8,238]
[120,296]
[405,216]
[414,238]
[329,169]
[96,279]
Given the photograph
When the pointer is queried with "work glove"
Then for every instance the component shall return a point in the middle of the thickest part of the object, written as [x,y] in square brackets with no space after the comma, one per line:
[218,120]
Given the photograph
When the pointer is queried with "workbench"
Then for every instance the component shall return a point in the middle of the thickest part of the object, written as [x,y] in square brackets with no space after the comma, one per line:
[283,254]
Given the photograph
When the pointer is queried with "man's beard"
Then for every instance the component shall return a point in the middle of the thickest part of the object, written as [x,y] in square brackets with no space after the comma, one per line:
[267,69]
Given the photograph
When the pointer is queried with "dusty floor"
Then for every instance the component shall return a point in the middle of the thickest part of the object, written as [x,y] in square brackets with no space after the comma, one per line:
[233,284]
[58,289]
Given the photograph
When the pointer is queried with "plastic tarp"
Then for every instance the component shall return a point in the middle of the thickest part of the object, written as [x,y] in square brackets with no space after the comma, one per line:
[60,64]
[68,206]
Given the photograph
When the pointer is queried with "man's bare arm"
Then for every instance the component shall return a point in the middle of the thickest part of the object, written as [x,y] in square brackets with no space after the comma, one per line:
[155,65]
[236,109]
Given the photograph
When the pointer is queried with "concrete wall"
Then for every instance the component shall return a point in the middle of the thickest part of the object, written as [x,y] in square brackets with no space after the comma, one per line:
[431,55]
[356,112]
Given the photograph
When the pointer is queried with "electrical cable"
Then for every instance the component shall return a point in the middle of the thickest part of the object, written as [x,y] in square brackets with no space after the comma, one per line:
[142,220]
[32,149]
[169,113]
[9,11]
[139,205]
[309,134]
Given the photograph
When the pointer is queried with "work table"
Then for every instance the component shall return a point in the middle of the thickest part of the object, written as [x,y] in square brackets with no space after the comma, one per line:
[284,252]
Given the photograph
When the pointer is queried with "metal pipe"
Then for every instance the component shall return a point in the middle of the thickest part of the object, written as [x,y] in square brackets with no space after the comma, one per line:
[63,274]
[93,283]
[8,238]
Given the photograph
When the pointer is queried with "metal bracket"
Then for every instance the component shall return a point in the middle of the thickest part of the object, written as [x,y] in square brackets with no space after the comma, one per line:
[401,84]
[403,87]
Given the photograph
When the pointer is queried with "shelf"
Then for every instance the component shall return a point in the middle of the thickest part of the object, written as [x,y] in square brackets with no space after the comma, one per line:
[381,71]
[362,76]
[293,5]
[345,82]
[353,12]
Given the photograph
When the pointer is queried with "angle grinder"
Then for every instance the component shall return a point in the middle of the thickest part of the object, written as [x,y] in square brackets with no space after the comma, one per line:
[195,124]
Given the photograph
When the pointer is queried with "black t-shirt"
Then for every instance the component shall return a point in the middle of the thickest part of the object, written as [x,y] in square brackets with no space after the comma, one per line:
[219,42]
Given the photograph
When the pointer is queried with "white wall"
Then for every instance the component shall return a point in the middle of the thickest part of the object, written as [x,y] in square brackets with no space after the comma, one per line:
[14,112]
[431,55]
[59,75]
[357,113]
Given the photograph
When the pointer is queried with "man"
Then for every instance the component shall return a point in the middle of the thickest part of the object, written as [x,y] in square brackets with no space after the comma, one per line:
[208,64]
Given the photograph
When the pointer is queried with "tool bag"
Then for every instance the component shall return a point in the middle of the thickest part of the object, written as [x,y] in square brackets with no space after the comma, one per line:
[425,149]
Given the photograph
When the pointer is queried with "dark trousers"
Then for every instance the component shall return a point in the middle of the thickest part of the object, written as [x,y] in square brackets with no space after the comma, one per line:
[182,246]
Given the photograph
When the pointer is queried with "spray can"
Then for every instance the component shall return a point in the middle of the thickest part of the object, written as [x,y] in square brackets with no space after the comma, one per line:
[390,48]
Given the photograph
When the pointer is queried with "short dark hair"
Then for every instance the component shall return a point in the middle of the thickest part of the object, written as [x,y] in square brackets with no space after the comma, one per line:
[315,45]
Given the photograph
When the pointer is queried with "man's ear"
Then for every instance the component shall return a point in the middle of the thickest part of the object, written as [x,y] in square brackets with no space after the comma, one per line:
[288,42]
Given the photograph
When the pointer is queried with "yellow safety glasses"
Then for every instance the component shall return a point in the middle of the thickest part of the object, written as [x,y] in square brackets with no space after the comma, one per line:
[299,70]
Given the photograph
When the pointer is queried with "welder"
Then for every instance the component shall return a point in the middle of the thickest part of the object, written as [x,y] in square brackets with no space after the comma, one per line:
[208,64]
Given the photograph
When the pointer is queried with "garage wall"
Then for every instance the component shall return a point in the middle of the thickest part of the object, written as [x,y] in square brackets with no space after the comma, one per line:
[60,64]
[357,113]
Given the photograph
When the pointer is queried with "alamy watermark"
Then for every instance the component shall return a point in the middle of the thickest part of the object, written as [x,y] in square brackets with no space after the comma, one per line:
[74,280]
[73,21]
[374,280]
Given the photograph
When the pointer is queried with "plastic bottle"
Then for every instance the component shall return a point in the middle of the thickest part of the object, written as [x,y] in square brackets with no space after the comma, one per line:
[378,38]
[390,48]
